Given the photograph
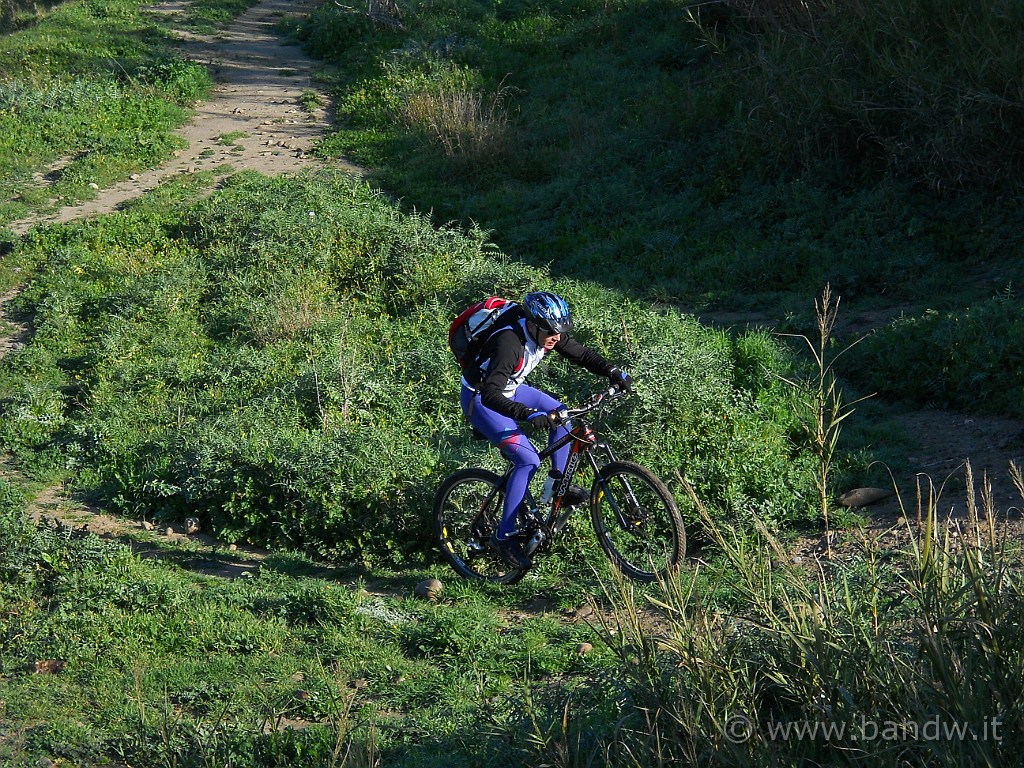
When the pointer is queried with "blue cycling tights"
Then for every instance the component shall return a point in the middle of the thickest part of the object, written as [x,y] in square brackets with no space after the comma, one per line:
[514,445]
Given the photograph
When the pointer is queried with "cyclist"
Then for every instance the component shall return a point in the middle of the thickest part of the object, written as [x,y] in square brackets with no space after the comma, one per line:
[497,400]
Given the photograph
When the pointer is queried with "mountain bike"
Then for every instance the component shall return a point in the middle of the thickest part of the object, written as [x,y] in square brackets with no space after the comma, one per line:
[634,515]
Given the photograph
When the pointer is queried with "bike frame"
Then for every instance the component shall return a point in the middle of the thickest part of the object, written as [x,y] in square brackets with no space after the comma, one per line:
[584,443]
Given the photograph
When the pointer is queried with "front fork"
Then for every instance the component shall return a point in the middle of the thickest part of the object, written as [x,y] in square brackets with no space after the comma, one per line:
[626,523]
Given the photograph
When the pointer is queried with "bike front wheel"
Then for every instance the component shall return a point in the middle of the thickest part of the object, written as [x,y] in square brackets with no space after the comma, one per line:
[467,510]
[637,521]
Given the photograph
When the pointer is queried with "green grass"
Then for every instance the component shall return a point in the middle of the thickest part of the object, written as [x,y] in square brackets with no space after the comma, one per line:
[229,139]
[272,360]
[147,661]
[310,100]
[903,650]
[162,665]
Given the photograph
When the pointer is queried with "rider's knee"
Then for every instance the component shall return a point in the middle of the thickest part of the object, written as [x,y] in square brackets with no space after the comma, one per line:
[520,451]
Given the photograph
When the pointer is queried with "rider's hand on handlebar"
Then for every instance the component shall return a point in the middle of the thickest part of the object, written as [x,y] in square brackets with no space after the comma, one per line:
[544,420]
[621,380]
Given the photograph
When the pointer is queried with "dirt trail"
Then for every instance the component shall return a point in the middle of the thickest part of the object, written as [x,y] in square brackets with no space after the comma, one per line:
[254,119]
[946,450]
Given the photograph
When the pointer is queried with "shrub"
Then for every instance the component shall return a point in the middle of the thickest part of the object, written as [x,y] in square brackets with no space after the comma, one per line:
[971,360]
[273,360]
[470,126]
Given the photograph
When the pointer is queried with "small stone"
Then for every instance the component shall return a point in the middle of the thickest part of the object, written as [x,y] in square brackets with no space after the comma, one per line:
[584,648]
[147,526]
[135,177]
[585,611]
[93,185]
[429,589]
[168,531]
[861,497]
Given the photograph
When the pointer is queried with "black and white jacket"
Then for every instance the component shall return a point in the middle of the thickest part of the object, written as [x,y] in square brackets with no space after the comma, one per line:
[510,355]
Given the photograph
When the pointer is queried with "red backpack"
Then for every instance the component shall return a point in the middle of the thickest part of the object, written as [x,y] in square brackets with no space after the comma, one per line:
[474,326]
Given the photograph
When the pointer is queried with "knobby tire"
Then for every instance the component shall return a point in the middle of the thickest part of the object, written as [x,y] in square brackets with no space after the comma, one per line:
[463,526]
[637,521]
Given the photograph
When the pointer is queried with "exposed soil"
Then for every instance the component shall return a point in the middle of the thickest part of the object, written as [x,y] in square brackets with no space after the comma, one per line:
[255,119]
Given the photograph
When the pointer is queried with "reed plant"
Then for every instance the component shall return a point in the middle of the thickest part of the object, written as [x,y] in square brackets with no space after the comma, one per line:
[821,402]
[907,653]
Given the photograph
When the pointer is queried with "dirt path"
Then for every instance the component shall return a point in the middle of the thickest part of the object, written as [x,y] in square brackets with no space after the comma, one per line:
[255,117]
[948,451]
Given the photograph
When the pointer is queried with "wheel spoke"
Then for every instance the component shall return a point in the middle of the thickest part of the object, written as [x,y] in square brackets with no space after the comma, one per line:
[637,522]
[466,513]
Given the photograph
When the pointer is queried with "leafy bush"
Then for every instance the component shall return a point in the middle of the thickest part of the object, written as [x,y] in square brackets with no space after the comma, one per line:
[273,359]
[706,156]
[969,360]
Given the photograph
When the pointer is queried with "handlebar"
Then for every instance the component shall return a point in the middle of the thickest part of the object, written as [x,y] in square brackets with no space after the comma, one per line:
[592,403]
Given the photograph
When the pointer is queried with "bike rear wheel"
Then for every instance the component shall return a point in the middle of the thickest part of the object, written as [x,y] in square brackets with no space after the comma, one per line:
[637,521]
[467,510]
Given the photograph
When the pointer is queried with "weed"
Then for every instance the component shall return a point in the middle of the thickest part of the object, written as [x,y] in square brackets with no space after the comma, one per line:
[824,408]
[249,357]
[707,158]
[469,126]
[310,100]
[229,139]
[910,644]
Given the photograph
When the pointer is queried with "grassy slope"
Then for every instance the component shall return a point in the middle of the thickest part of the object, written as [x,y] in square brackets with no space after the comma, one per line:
[176,702]
[166,666]
[90,92]
[688,156]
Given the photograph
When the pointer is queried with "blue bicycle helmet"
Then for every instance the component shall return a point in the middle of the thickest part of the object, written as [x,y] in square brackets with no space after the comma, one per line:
[548,311]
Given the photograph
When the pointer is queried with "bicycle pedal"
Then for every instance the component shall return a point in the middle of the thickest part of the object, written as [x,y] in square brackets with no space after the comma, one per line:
[474,548]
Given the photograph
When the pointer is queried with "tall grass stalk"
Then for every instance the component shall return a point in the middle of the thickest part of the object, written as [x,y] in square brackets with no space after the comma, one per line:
[468,125]
[822,400]
[926,636]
